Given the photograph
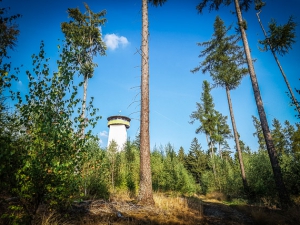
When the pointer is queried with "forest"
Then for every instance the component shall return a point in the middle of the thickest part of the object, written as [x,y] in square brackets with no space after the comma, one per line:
[53,169]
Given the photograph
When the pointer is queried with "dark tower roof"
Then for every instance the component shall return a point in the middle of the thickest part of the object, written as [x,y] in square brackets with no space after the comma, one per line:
[119,120]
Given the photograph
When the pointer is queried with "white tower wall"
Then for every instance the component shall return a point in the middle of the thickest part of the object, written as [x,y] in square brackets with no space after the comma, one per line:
[118,126]
[118,133]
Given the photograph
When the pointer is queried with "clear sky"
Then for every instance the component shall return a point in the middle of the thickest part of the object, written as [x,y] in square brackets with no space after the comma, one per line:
[175,28]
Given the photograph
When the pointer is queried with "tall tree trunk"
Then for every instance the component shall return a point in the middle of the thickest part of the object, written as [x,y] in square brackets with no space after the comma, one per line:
[85,84]
[220,151]
[295,102]
[237,142]
[209,143]
[282,192]
[145,191]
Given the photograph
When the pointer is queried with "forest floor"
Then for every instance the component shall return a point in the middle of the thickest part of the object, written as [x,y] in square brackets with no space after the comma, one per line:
[168,209]
[176,210]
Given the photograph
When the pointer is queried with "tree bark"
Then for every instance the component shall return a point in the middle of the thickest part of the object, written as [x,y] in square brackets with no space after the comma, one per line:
[85,84]
[237,143]
[295,102]
[282,192]
[145,190]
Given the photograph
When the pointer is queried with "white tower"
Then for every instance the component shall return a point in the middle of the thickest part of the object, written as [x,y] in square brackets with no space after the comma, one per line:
[118,126]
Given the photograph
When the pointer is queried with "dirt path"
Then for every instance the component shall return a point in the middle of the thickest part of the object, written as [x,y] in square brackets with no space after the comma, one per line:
[217,213]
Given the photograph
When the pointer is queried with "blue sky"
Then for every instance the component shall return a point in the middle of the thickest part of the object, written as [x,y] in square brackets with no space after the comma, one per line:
[175,28]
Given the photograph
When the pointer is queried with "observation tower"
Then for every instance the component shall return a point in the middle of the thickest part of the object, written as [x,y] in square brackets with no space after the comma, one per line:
[118,126]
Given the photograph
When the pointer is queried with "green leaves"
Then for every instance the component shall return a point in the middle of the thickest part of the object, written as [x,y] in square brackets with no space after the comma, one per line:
[224,58]
[157,2]
[8,33]
[280,37]
[83,38]
[53,149]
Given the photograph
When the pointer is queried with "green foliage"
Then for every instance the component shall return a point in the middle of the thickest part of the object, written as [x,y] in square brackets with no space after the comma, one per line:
[83,38]
[224,58]
[229,176]
[8,33]
[213,4]
[112,158]
[196,162]
[181,155]
[53,150]
[259,4]
[212,123]
[259,133]
[216,4]
[205,112]
[280,37]
[278,138]
[169,174]
[95,172]
[132,163]
[222,133]
[260,176]
[157,2]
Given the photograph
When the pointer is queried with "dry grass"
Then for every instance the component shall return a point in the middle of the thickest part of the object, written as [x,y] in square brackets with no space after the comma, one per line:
[122,210]
[51,218]
[216,196]
[168,209]
[181,210]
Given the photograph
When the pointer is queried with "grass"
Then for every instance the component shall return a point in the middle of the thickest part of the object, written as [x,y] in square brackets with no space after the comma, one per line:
[169,208]
[121,209]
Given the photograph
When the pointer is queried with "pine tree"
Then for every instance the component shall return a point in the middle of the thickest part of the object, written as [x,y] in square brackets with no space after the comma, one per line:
[181,155]
[259,134]
[288,131]
[112,157]
[278,137]
[223,132]
[239,6]
[279,40]
[207,116]
[224,60]
[145,191]
[196,161]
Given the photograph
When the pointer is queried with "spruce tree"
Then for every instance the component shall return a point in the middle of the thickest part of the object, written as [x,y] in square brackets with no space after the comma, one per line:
[196,161]
[181,155]
[207,116]
[288,131]
[242,25]
[278,137]
[279,39]
[224,60]
[259,134]
[223,132]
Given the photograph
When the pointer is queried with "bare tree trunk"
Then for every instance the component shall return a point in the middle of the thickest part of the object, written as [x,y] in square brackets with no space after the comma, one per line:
[283,194]
[85,84]
[237,142]
[295,102]
[209,143]
[145,191]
